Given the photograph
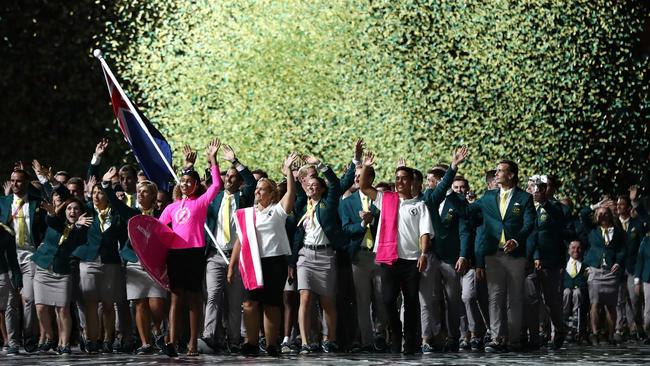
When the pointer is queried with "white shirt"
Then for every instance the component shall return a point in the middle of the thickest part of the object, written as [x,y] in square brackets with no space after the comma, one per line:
[442,204]
[271,235]
[314,234]
[413,222]
[218,231]
[569,265]
[29,243]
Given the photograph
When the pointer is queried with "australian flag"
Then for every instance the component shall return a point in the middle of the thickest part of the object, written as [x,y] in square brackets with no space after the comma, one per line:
[147,143]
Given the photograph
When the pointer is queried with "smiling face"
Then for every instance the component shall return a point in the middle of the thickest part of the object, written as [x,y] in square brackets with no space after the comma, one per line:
[459,186]
[232,181]
[19,183]
[128,180]
[575,251]
[314,189]
[403,183]
[188,185]
[72,212]
[264,192]
[146,196]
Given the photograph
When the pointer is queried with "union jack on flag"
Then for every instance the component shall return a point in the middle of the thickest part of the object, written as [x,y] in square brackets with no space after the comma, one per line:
[141,135]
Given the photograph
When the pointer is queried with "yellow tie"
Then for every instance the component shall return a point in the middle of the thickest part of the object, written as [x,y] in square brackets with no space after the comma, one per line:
[625,225]
[367,239]
[21,235]
[226,217]
[309,213]
[103,215]
[148,212]
[605,235]
[66,232]
[129,199]
[574,269]
[503,206]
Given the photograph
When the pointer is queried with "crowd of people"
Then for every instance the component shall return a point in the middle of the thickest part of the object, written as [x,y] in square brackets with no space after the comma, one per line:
[317,262]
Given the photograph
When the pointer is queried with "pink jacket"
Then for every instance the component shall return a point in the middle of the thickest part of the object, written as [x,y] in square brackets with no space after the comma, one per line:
[188,215]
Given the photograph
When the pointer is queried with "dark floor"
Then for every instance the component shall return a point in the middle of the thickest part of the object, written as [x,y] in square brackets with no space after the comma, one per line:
[627,354]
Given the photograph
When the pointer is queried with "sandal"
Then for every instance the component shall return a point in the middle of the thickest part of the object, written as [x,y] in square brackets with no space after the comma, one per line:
[192,353]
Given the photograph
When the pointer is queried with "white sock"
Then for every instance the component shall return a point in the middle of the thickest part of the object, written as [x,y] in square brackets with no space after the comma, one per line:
[285,340]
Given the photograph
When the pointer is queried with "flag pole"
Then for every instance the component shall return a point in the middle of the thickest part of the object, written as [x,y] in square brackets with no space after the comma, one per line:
[107,72]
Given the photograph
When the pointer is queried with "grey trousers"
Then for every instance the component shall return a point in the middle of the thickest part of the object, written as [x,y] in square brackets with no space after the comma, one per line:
[124,323]
[21,311]
[575,303]
[221,297]
[629,309]
[646,311]
[469,296]
[367,287]
[440,281]
[505,281]
[543,289]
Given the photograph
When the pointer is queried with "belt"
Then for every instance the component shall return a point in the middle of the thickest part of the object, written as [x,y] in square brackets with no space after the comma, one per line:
[317,247]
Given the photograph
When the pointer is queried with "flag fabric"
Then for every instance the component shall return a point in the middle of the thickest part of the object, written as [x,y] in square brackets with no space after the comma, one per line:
[250,264]
[387,230]
[140,136]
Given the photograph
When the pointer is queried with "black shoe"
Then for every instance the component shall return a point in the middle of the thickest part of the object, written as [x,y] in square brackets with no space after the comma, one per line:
[452,345]
[305,349]
[558,342]
[330,347]
[13,351]
[408,350]
[262,343]
[170,350]
[646,341]
[273,350]
[250,350]
[126,347]
[106,347]
[593,339]
[494,347]
[64,350]
[91,347]
[476,344]
[144,350]
[206,346]
[45,347]
[234,348]
[31,345]
[380,344]
[464,345]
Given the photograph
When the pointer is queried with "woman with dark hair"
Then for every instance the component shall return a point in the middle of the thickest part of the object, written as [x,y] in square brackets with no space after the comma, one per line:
[147,295]
[186,265]
[66,230]
[272,244]
[319,230]
[604,259]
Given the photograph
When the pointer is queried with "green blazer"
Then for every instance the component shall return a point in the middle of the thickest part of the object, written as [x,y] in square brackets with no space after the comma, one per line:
[614,253]
[107,243]
[518,222]
[642,268]
[635,233]
[451,231]
[243,198]
[9,257]
[327,214]
[546,242]
[579,281]
[50,253]
[36,216]
[351,223]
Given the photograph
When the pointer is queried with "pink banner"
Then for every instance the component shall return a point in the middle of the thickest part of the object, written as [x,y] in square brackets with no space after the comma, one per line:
[151,241]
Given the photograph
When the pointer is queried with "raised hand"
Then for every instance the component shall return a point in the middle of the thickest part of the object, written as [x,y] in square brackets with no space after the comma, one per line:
[108,176]
[358,150]
[211,150]
[634,193]
[36,166]
[459,156]
[311,160]
[48,207]
[229,153]
[7,188]
[288,163]
[84,220]
[369,159]
[190,157]
[19,165]
[101,147]
[88,186]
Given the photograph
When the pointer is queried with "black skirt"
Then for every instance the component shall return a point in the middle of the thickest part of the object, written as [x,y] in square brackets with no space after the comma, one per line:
[274,273]
[186,269]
